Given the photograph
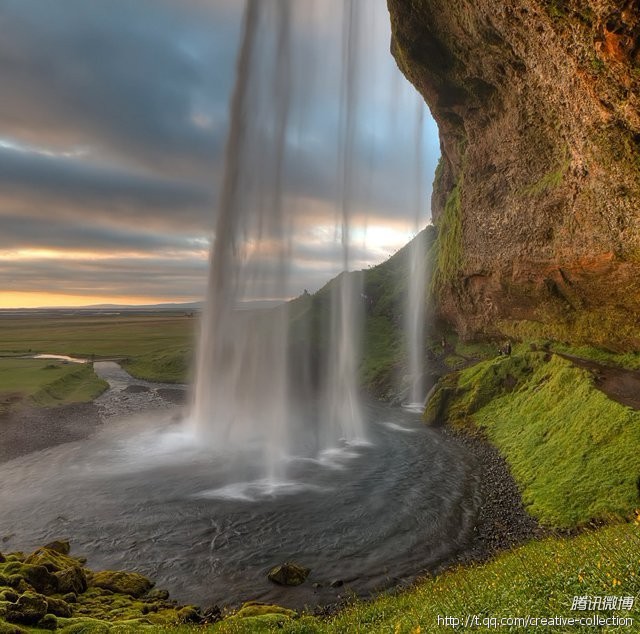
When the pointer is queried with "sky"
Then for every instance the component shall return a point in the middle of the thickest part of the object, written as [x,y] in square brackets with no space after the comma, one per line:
[113,121]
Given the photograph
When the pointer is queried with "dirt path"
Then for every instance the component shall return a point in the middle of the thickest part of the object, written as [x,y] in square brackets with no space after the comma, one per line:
[618,384]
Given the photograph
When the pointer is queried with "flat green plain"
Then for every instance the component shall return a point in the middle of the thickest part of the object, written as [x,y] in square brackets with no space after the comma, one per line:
[153,347]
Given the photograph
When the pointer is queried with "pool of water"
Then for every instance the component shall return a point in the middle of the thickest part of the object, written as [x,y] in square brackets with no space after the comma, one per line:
[144,495]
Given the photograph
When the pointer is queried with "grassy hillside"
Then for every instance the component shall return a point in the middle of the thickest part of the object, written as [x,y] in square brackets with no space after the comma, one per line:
[384,289]
[573,451]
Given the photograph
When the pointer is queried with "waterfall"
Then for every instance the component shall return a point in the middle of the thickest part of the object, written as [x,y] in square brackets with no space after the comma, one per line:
[343,415]
[416,288]
[243,395]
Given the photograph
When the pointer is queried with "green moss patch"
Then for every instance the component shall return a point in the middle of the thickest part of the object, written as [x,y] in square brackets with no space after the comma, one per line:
[50,589]
[550,180]
[605,327]
[448,253]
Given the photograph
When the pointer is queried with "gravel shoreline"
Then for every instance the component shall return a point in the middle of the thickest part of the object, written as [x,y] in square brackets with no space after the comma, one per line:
[503,522]
[35,428]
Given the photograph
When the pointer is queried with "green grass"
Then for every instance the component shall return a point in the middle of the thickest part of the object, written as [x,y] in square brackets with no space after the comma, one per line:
[572,450]
[154,347]
[171,366]
[382,354]
[46,383]
[630,360]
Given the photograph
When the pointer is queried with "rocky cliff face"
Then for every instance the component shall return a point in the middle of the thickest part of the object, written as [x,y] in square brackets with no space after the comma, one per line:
[537,198]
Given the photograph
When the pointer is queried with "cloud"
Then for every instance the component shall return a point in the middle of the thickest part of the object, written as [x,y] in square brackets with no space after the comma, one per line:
[113,120]
[128,79]
[54,186]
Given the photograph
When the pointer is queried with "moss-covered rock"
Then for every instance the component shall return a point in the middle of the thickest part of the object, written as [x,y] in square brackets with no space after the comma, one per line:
[68,574]
[158,594]
[260,617]
[189,614]
[11,628]
[83,626]
[71,580]
[59,607]
[255,608]
[130,583]
[27,610]
[35,576]
[61,546]
[48,622]
[17,556]
[49,589]
[288,574]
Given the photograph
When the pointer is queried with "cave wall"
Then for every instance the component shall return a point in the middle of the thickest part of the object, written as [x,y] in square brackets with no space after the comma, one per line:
[537,197]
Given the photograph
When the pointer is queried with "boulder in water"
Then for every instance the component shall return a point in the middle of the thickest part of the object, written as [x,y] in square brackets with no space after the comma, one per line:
[288,574]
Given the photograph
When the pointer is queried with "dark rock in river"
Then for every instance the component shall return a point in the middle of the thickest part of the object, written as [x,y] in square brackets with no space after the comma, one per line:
[288,574]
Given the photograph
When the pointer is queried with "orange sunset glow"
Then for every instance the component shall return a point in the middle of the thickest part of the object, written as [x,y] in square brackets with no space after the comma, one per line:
[19,299]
